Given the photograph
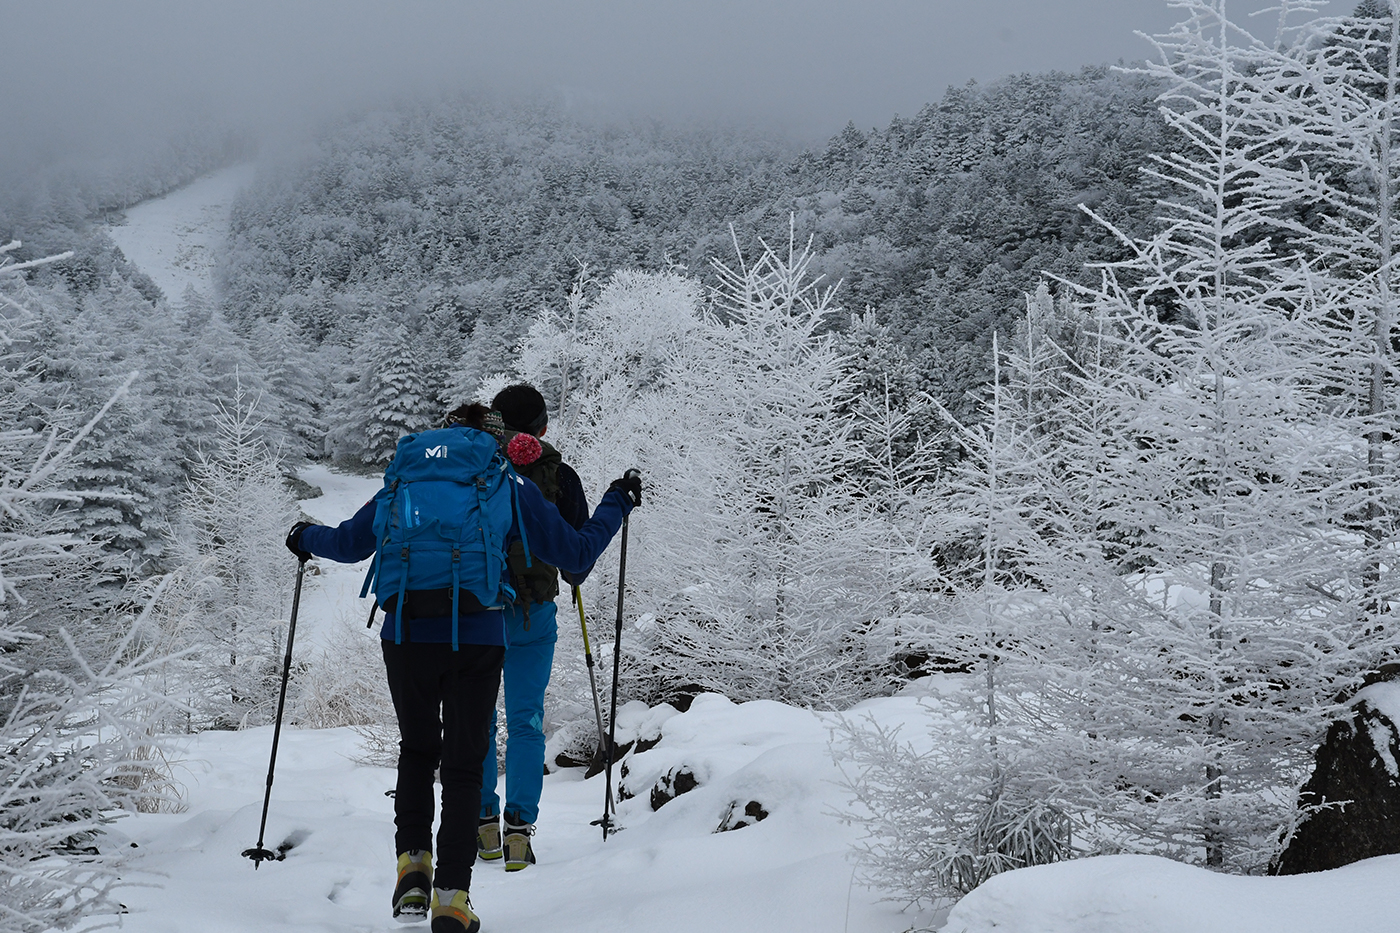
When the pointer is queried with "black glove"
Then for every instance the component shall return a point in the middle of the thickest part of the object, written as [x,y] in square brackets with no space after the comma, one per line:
[631,486]
[294,540]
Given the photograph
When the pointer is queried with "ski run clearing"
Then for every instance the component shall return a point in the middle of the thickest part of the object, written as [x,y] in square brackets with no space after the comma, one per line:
[175,238]
[667,870]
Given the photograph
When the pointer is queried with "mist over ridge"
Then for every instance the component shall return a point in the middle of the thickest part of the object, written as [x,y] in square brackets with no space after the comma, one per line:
[99,85]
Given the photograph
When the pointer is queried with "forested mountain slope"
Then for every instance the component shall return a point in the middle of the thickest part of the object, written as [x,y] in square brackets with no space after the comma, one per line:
[482,211]
[419,244]
[475,215]
[944,222]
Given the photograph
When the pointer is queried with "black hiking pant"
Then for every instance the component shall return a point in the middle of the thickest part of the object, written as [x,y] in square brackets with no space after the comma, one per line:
[443,700]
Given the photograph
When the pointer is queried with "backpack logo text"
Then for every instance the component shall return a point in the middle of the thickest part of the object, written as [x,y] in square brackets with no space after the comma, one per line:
[439,451]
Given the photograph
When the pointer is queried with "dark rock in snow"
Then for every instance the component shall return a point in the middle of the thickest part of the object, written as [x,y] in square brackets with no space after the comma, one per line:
[623,791]
[677,781]
[684,696]
[734,818]
[1357,772]
[597,764]
[567,760]
[300,488]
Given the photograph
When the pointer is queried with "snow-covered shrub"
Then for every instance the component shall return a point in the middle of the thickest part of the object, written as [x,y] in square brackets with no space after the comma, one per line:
[942,817]
[342,683]
[74,748]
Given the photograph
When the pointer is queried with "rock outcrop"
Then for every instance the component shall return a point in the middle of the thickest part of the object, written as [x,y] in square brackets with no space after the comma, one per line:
[1356,781]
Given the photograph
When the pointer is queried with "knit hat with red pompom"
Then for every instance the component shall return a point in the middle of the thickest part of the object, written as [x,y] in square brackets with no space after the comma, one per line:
[524,449]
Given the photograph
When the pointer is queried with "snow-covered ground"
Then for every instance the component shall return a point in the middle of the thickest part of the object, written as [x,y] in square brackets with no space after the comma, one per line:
[174,239]
[332,601]
[666,870]
[1145,894]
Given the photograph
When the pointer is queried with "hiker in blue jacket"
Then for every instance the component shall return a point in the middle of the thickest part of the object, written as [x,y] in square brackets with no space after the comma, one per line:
[520,419]
[443,679]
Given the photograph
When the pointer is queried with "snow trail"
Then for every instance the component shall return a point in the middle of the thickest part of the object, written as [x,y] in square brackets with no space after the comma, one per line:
[175,238]
[668,870]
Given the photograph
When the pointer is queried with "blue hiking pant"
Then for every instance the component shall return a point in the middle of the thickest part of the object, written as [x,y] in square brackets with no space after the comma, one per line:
[529,659]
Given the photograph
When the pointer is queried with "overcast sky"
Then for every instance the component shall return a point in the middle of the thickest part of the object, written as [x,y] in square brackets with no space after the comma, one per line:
[84,73]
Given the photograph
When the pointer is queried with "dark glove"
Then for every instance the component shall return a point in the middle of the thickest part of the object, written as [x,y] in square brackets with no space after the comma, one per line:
[294,540]
[631,486]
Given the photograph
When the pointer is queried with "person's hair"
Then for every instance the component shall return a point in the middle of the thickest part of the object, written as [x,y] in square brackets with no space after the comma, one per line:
[470,415]
[522,408]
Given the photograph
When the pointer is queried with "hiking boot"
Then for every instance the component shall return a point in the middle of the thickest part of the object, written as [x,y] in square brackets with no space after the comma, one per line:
[415,881]
[488,839]
[517,844]
[452,912]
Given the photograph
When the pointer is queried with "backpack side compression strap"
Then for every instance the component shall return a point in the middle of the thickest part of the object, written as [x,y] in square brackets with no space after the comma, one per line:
[456,588]
[519,518]
[403,592]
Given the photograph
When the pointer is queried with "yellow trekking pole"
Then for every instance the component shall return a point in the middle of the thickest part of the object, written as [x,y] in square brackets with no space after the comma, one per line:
[592,679]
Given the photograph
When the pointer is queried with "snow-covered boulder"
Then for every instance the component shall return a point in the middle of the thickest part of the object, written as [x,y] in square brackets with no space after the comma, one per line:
[727,766]
[1147,894]
[1358,770]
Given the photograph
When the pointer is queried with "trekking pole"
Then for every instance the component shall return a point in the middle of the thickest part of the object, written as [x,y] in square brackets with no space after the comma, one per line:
[608,805]
[257,853]
[592,678]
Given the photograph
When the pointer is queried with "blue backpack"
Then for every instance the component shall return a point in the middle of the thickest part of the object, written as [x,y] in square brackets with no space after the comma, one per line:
[441,520]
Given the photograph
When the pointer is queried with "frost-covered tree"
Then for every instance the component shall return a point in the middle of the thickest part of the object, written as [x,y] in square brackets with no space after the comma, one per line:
[1336,94]
[234,580]
[974,796]
[782,608]
[399,378]
[297,384]
[757,555]
[85,349]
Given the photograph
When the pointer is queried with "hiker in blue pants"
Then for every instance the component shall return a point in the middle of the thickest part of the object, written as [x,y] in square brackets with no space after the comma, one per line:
[524,676]
[519,419]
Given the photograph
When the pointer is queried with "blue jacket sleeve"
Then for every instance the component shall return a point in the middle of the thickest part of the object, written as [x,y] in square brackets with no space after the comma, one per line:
[347,543]
[556,542]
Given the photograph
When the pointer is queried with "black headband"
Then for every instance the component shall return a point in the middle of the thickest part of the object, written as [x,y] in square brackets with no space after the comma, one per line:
[533,427]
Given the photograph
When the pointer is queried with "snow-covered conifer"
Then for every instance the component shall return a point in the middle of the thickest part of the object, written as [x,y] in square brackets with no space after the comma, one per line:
[397,390]
[235,577]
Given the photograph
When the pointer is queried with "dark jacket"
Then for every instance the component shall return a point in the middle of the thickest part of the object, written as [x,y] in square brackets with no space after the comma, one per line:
[551,538]
[573,505]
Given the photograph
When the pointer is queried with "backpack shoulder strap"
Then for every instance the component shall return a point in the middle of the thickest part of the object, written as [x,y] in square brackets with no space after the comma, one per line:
[515,482]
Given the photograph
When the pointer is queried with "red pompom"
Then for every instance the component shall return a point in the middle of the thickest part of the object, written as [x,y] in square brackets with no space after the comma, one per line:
[524,449]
